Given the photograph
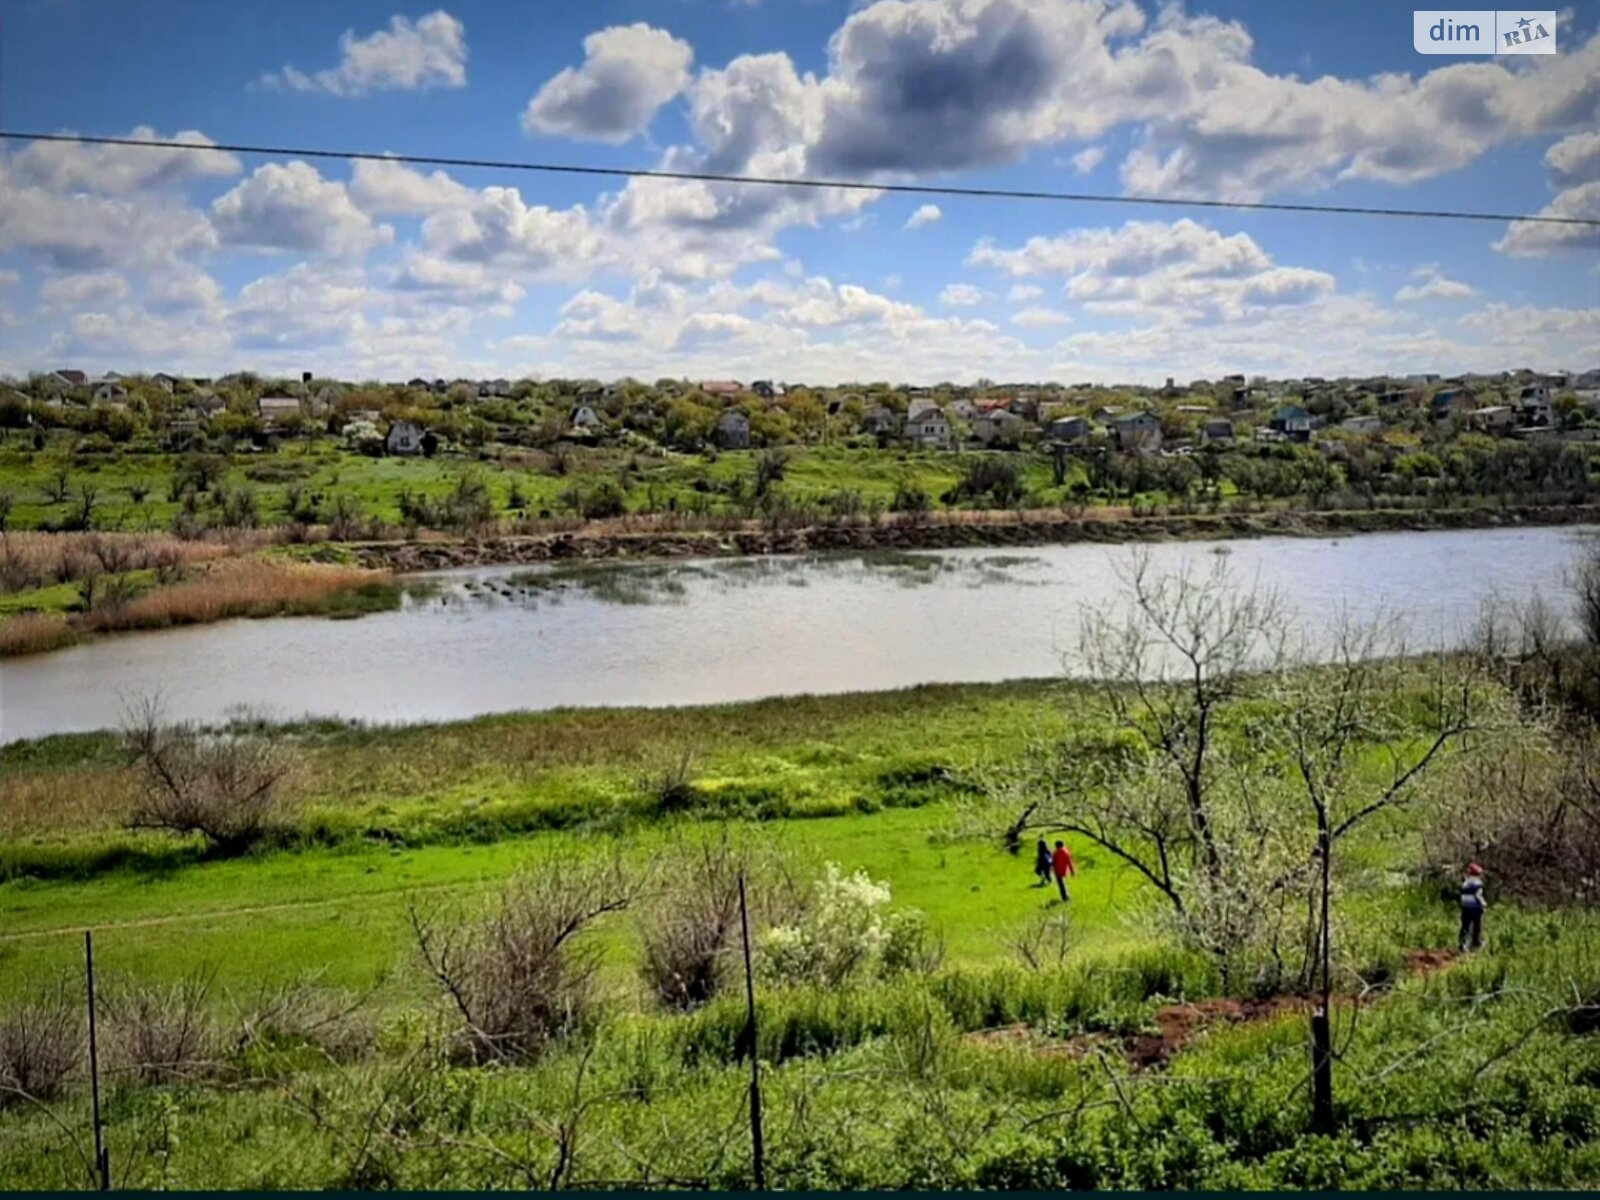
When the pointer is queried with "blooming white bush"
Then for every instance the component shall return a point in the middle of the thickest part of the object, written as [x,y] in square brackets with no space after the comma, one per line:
[844,933]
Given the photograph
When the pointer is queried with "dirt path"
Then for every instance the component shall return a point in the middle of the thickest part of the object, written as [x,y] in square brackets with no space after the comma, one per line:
[1178,1024]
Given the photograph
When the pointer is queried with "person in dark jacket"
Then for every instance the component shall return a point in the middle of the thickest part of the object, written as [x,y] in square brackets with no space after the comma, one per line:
[1061,865]
[1472,906]
[1041,863]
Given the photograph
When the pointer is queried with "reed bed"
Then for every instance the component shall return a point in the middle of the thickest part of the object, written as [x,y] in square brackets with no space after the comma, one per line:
[237,588]
[31,560]
[34,633]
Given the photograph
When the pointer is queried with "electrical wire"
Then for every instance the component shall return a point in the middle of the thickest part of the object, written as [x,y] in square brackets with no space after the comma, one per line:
[909,189]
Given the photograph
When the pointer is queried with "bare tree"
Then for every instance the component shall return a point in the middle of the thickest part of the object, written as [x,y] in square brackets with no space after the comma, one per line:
[518,976]
[1159,789]
[1585,585]
[1327,722]
[223,785]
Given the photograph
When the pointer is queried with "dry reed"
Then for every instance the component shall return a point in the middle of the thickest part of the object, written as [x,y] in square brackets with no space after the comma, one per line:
[236,588]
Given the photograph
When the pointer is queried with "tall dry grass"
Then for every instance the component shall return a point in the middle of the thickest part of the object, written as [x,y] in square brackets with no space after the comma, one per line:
[249,587]
[34,633]
[31,560]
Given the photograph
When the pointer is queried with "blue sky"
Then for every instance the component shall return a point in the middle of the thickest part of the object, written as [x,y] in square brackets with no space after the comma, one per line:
[174,260]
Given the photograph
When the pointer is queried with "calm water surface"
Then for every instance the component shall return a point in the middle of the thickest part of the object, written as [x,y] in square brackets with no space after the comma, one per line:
[500,639]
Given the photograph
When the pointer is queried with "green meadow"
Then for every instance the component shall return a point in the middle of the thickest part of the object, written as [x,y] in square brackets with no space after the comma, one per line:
[1118,1058]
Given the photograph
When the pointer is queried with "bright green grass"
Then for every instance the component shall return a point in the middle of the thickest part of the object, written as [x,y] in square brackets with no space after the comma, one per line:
[324,471]
[344,914]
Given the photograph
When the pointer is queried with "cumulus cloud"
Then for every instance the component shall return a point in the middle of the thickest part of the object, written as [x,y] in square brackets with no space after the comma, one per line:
[117,170]
[1040,318]
[1574,160]
[290,206]
[394,189]
[1137,248]
[447,281]
[926,215]
[1021,293]
[1432,285]
[90,287]
[1088,159]
[1181,271]
[628,73]
[408,56]
[499,228]
[81,232]
[306,306]
[919,86]
[961,295]
[185,290]
[1573,165]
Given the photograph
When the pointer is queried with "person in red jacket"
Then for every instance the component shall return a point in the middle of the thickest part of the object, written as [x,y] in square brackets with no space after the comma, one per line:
[1061,864]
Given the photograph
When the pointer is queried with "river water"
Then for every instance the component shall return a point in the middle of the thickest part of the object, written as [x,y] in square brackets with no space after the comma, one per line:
[502,639]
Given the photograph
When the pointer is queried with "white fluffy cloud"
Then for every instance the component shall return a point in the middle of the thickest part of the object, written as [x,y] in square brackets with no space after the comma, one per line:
[1431,285]
[1040,318]
[499,228]
[1574,169]
[407,56]
[961,295]
[1021,293]
[919,86]
[628,73]
[1178,271]
[926,215]
[89,287]
[1088,159]
[82,232]
[394,189]
[291,207]
[118,170]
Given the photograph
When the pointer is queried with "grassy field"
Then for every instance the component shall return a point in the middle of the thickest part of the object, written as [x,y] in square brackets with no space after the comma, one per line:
[136,490]
[1126,1065]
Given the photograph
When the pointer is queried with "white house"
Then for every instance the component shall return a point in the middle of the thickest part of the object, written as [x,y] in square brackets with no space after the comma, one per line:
[404,438]
[1536,406]
[109,391]
[585,419]
[930,428]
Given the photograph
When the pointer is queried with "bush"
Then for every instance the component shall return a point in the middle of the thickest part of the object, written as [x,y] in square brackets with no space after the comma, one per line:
[40,1041]
[223,785]
[844,934]
[691,933]
[517,980]
[607,499]
[162,1034]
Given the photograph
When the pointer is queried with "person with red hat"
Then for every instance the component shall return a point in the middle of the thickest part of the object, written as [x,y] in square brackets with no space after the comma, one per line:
[1472,906]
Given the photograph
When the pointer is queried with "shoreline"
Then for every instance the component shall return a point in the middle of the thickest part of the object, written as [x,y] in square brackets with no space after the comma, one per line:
[983,529]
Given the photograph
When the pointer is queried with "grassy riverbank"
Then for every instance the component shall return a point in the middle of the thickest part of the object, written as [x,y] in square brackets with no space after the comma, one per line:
[1127,1061]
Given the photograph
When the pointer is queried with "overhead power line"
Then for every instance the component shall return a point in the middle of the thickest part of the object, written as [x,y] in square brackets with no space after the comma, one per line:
[909,189]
